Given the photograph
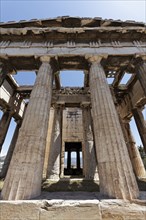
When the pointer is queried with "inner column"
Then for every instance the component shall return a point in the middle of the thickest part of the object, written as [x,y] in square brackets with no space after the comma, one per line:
[78,159]
[141,124]
[116,175]
[4,126]
[54,161]
[140,68]
[24,177]
[3,72]
[10,150]
[90,161]
[134,153]
[68,159]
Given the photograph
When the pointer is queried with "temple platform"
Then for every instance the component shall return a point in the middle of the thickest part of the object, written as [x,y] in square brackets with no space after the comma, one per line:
[74,206]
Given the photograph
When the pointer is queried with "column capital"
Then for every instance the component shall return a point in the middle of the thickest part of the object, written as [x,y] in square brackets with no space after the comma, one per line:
[45,59]
[8,111]
[138,108]
[139,59]
[141,56]
[57,73]
[126,120]
[18,121]
[85,105]
[92,58]
[6,67]
[59,105]
[86,72]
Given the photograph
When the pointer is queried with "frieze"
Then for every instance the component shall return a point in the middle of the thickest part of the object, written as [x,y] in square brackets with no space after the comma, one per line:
[71,91]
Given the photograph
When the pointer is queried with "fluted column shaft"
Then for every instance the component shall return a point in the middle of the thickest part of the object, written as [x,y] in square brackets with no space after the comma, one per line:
[68,159]
[116,175]
[134,153]
[4,126]
[90,161]
[24,176]
[78,159]
[48,143]
[141,73]
[141,125]
[10,151]
[54,162]
[3,72]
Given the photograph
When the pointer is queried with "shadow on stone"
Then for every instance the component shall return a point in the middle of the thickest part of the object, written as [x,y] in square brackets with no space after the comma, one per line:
[70,185]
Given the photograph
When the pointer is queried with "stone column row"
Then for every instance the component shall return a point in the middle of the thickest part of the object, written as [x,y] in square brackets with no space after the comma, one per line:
[134,153]
[116,175]
[10,151]
[7,116]
[24,177]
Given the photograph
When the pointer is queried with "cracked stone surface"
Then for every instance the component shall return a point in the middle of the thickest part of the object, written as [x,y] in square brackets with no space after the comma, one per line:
[73,206]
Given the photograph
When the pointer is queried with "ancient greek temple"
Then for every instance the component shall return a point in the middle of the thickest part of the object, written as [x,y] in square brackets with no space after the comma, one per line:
[92,122]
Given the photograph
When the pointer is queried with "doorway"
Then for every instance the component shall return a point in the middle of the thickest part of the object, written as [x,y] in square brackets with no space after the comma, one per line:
[73,162]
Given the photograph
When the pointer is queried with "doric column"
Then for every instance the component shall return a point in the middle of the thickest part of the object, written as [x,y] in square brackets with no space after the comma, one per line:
[140,68]
[3,72]
[54,161]
[68,159]
[116,175]
[24,176]
[90,161]
[78,160]
[141,124]
[4,125]
[134,153]
[48,143]
[10,151]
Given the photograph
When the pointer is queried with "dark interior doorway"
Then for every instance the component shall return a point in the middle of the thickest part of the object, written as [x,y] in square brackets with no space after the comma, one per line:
[73,159]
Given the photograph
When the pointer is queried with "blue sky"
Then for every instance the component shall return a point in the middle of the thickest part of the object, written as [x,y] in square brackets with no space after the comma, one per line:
[124,9]
[26,10]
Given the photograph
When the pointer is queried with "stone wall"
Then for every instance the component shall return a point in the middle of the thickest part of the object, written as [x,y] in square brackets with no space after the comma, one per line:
[72,125]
